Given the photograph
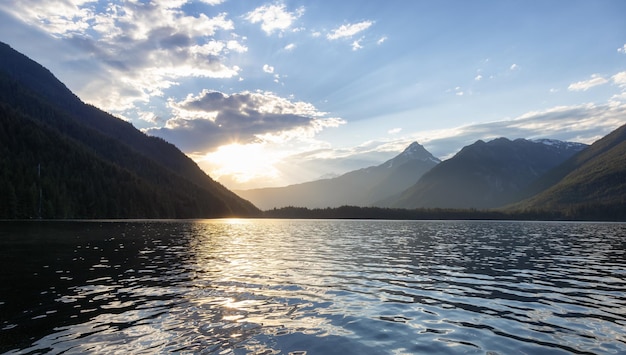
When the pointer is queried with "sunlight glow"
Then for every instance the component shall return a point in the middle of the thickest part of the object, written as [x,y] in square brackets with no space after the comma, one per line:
[242,162]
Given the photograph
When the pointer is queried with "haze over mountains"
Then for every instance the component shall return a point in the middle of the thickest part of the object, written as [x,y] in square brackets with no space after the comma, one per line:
[61,158]
[482,175]
[363,187]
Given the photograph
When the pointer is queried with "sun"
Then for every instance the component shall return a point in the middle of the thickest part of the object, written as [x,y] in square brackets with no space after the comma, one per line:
[240,162]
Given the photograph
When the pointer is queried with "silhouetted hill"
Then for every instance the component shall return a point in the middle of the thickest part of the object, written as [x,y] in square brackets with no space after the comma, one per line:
[92,164]
[591,183]
[486,174]
[363,187]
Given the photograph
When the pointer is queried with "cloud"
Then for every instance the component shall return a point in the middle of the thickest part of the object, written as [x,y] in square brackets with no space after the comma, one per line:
[323,160]
[381,40]
[581,123]
[458,91]
[290,47]
[622,49]
[394,130]
[585,85]
[514,67]
[236,46]
[620,79]
[478,77]
[274,17]
[210,119]
[134,50]
[349,30]
[356,45]
[268,68]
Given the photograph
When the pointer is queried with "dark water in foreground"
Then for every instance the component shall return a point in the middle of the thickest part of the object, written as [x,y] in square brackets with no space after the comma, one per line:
[314,287]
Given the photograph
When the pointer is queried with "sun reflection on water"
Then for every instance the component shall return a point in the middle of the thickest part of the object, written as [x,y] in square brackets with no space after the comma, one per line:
[236,286]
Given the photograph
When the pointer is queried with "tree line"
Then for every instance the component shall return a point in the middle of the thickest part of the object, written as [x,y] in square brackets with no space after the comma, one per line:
[581,212]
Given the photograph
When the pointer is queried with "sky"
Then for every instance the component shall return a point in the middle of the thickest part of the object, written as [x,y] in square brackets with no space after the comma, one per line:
[280,92]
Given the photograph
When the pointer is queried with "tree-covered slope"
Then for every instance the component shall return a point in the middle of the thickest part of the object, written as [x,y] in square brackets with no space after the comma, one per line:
[92,164]
[593,181]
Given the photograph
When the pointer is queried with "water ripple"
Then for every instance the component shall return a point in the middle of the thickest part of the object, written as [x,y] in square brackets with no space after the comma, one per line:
[312,287]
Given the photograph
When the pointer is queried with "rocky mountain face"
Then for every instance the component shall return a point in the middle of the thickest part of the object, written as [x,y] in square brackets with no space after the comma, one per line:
[363,187]
[486,174]
[62,158]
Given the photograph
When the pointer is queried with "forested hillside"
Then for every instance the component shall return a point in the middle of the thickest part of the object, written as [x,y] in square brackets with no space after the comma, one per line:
[592,182]
[61,158]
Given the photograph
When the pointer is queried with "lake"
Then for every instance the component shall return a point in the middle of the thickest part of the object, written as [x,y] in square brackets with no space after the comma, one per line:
[237,286]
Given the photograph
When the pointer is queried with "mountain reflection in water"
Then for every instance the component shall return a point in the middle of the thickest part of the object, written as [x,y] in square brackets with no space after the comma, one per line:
[314,287]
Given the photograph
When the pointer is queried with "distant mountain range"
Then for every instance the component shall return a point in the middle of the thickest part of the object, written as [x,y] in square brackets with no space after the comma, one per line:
[62,158]
[363,187]
[528,177]
[486,174]
[482,175]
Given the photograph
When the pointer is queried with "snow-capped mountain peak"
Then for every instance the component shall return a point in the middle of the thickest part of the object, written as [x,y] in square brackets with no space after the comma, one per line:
[560,144]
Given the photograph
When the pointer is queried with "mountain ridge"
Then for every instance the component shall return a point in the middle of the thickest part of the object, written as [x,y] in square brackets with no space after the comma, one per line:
[484,174]
[31,96]
[593,180]
[361,187]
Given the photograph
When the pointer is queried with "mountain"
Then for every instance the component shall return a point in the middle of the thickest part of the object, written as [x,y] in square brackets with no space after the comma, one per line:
[591,183]
[363,187]
[486,174]
[62,158]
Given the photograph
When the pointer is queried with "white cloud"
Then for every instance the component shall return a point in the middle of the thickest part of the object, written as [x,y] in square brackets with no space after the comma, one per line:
[349,30]
[620,79]
[150,117]
[242,139]
[585,85]
[478,77]
[210,119]
[618,99]
[581,123]
[622,49]
[394,131]
[381,40]
[458,91]
[268,68]
[356,45]
[274,17]
[290,47]
[212,2]
[236,46]
[135,50]
[55,16]
[514,67]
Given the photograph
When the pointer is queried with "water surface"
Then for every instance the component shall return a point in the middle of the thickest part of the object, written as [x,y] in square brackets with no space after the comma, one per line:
[314,287]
